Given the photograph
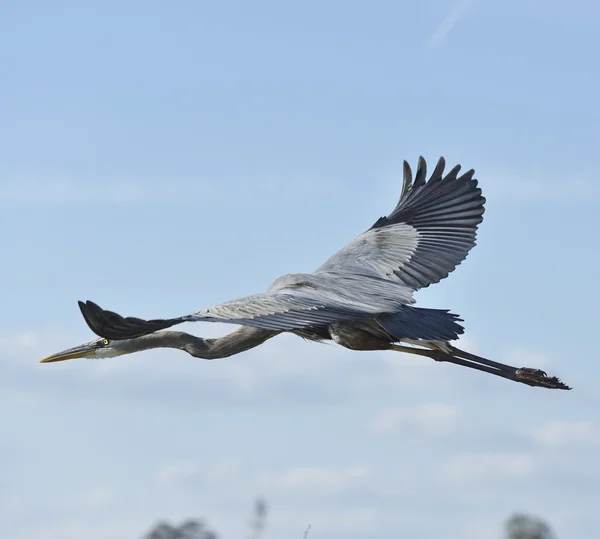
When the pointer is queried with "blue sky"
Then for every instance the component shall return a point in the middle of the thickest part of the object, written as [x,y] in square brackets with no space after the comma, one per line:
[161,158]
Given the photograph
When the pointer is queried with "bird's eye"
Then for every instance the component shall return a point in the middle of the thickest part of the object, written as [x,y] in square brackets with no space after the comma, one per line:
[105,342]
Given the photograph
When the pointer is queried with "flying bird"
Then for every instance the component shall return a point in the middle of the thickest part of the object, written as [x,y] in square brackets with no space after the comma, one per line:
[361,297]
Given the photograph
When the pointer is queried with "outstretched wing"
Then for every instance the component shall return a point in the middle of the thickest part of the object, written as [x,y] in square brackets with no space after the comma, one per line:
[430,231]
[428,234]
[292,302]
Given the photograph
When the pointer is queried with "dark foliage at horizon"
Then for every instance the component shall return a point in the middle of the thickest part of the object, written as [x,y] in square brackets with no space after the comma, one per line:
[190,529]
[518,526]
[196,529]
[522,526]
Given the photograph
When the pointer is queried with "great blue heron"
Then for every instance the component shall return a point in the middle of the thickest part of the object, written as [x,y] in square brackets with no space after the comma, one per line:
[361,297]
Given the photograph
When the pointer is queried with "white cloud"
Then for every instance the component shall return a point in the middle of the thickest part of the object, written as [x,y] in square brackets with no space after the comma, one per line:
[480,467]
[449,22]
[60,190]
[78,527]
[25,340]
[347,500]
[568,434]
[96,499]
[174,473]
[428,420]
[224,470]
[479,527]
[321,480]
[65,191]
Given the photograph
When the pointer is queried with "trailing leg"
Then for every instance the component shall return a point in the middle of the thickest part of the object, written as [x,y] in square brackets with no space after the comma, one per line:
[525,375]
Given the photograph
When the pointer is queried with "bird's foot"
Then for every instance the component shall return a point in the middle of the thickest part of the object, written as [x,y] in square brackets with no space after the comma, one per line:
[536,377]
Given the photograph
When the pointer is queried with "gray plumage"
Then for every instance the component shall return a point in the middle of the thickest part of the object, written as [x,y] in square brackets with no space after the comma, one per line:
[361,297]
[429,232]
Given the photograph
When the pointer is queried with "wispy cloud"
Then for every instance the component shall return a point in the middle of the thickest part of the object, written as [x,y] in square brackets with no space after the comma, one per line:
[63,190]
[174,473]
[568,434]
[178,473]
[449,22]
[478,467]
[323,480]
[427,420]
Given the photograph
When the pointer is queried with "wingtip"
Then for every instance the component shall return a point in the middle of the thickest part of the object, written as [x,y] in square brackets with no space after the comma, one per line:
[407,178]
[438,170]
[453,174]
[84,308]
[468,176]
[421,174]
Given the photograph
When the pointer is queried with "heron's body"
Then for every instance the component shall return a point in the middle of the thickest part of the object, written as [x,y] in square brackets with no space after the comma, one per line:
[361,297]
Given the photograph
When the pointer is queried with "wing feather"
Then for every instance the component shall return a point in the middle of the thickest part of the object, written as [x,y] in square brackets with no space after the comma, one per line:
[430,231]
[293,302]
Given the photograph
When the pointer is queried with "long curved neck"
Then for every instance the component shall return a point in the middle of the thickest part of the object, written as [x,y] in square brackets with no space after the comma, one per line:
[235,342]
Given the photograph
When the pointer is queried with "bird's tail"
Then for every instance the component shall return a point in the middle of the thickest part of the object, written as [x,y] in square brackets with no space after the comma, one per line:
[420,323]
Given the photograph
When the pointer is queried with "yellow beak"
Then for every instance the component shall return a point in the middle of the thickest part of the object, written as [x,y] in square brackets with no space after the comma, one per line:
[84,350]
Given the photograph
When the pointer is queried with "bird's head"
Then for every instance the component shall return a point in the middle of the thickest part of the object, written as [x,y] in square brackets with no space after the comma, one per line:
[96,349]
